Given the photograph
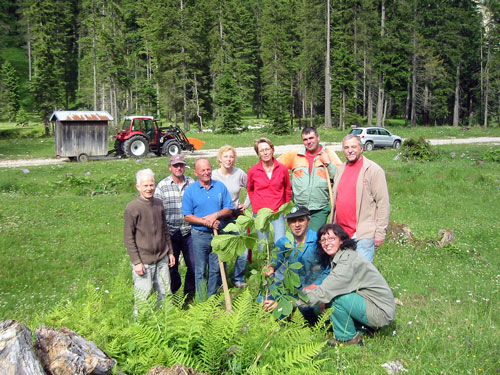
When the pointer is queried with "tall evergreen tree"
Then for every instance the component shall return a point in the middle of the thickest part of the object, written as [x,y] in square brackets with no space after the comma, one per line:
[9,90]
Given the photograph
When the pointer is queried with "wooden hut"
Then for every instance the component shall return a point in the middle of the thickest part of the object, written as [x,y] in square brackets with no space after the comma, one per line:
[80,134]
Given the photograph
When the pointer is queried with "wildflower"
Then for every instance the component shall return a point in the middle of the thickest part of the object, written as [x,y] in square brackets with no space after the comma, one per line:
[418,338]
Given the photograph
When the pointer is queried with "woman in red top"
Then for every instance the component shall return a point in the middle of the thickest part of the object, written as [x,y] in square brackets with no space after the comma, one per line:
[269,185]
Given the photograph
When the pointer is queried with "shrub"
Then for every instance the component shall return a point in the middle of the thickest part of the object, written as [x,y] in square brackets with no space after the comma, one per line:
[418,149]
[492,155]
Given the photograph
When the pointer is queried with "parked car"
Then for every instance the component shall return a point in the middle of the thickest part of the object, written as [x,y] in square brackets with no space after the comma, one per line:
[373,136]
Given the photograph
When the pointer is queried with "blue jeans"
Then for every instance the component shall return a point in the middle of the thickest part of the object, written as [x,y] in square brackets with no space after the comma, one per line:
[183,244]
[348,315]
[279,230]
[366,247]
[240,267]
[204,255]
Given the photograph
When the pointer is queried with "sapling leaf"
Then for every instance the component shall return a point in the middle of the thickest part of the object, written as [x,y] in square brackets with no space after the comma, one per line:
[295,266]
[232,227]
[302,295]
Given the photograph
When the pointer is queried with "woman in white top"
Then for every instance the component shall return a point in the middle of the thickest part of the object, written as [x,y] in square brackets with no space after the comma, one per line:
[234,179]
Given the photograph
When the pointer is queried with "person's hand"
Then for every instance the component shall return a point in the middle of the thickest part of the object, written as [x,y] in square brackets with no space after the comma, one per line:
[268,271]
[139,269]
[211,221]
[310,287]
[379,241]
[269,305]
[171,259]
[324,158]
[242,207]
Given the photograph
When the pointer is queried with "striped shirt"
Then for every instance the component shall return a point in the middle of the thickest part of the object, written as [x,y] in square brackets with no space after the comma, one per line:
[171,195]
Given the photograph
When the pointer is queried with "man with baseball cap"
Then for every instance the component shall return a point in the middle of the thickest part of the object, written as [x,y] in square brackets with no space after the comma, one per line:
[171,190]
[303,250]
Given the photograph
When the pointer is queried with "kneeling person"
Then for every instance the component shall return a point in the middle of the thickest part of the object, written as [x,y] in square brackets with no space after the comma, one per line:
[356,289]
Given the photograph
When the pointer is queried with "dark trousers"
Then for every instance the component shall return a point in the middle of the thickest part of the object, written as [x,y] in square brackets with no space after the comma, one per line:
[183,244]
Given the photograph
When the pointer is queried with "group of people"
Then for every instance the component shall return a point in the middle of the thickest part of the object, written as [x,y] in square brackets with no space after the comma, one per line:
[181,215]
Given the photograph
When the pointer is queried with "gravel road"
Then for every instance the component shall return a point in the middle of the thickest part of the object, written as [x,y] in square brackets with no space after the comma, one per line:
[242,151]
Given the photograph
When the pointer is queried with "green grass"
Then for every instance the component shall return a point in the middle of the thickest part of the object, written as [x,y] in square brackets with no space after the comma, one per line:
[61,227]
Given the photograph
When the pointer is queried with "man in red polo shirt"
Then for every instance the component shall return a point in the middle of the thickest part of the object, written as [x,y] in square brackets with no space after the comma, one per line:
[361,198]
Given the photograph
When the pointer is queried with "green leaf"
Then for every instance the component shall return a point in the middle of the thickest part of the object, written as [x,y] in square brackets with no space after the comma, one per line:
[296,266]
[284,308]
[232,227]
[227,246]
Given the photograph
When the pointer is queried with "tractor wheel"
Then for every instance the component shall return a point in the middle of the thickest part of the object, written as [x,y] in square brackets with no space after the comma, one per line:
[83,157]
[119,147]
[171,148]
[369,146]
[136,146]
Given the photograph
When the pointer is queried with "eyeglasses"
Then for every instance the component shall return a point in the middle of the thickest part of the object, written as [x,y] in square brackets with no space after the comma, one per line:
[179,165]
[327,239]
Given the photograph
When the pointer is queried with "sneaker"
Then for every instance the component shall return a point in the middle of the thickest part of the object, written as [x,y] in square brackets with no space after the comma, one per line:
[240,284]
[356,340]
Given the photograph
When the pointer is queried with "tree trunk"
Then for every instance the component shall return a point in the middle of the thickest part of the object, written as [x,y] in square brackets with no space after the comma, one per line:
[381,94]
[29,51]
[456,107]
[364,82]
[425,109]
[407,106]
[369,109]
[487,86]
[343,111]
[17,355]
[197,103]
[328,82]
[413,115]
[66,352]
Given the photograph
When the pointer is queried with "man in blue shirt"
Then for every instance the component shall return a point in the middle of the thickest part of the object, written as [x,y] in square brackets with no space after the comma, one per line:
[205,202]
[302,250]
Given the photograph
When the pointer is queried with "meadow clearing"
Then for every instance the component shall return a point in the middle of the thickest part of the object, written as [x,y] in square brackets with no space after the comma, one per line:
[61,240]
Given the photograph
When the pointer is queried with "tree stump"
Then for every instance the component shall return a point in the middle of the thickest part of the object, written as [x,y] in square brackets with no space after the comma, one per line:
[17,356]
[399,232]
[65,352]
[446,236]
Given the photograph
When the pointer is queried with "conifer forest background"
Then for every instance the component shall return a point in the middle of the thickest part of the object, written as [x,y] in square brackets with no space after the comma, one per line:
[208,63]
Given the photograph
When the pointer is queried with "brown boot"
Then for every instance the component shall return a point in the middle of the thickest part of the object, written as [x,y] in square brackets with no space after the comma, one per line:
[356,340]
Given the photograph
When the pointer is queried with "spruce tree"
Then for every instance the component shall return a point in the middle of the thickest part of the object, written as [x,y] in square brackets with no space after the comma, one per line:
[9,90]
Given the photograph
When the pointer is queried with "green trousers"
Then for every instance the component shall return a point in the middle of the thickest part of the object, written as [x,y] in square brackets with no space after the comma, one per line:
[318,218]
[348,316]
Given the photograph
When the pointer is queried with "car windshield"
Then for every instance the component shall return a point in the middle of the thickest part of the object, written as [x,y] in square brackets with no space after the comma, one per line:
[356,131]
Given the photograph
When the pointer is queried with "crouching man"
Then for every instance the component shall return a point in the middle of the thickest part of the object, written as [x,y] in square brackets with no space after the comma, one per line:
[147,240]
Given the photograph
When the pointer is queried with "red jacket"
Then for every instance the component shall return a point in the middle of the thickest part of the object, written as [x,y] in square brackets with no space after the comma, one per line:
[265,192]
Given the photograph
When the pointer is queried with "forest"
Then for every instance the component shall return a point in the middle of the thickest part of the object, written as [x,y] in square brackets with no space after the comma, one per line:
[209,63]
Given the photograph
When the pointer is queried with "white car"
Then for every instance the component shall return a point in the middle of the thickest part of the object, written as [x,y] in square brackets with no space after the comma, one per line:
[373,136]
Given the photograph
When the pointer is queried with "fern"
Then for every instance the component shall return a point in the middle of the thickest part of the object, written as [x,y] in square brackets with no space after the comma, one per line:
[202,335]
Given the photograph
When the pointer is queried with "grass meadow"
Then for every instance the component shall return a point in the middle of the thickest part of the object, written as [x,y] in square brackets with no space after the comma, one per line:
[61,229]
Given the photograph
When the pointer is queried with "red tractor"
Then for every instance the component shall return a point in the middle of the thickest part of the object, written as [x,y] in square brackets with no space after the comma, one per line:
[142,134]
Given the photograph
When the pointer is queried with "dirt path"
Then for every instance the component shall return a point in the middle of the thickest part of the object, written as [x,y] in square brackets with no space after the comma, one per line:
[242,151]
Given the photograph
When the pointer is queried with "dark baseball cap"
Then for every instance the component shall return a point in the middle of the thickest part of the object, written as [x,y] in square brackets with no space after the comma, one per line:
[298,212]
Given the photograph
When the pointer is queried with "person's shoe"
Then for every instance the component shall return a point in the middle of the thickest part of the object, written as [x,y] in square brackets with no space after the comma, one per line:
[356,340]
[240,285]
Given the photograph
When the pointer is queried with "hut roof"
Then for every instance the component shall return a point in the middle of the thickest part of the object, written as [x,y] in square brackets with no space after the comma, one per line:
[80,116]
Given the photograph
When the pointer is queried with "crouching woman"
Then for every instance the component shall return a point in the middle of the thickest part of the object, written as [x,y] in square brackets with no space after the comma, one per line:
[354,287]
